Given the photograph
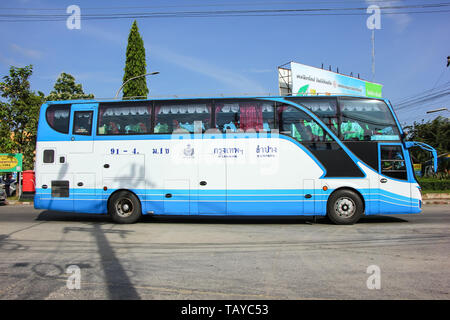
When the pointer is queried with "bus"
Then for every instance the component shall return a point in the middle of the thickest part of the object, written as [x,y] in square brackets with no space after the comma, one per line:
[342,157]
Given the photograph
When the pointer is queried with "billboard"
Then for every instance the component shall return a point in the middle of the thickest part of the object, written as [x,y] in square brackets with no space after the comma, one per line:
[10,162]
[307,80]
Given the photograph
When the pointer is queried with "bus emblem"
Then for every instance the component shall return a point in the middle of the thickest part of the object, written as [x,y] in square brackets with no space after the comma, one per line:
[188,151]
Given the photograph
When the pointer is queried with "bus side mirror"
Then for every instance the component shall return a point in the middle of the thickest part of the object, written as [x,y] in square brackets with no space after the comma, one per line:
[426,147]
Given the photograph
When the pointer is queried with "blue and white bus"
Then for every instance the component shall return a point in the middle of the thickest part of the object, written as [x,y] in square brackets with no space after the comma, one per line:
[336,156]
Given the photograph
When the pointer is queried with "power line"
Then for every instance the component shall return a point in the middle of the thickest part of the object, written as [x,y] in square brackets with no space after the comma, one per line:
[439,79]
[221,16]
[9,17]
[212,5]
[416,95]
[423,99]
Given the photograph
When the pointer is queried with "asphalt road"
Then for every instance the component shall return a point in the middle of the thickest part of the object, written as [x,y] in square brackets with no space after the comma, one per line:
[223,258]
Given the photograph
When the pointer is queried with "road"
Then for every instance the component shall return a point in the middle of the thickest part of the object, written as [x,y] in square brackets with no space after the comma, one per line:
[223,258]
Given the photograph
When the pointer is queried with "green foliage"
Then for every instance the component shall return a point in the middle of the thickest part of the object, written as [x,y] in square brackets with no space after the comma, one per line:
[135,65]
[436,133]
[66,89]
[434,184]
[19,115]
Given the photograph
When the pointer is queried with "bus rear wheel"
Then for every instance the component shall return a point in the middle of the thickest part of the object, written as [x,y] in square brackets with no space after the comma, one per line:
[124,207]
[344,207]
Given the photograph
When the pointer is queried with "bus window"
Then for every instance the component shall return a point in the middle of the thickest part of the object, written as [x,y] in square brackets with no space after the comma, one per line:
[182,117]
[238,116]
[124,118]
[325,109]
[367,120]
[299,125]
[49,156]
[393,162]
[58,117]
[82,123]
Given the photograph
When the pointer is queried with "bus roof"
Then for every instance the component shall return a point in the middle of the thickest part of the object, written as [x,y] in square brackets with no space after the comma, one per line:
[80,101]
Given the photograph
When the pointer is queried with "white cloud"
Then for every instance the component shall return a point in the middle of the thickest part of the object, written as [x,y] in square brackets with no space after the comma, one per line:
[29,53]
[10,62]
[108,36]
[232,79]
[83,76]
[262,70]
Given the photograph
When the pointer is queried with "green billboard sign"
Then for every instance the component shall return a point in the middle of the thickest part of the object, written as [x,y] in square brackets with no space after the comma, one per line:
[10,162]
[373,90]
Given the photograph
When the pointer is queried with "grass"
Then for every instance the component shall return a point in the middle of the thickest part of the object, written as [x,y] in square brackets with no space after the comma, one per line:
[16,198]
[435,191]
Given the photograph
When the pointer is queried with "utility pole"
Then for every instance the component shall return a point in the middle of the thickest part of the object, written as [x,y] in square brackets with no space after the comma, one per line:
[373,55]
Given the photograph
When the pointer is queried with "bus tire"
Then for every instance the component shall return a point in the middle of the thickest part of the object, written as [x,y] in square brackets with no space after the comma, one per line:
[345,207]
[124,207]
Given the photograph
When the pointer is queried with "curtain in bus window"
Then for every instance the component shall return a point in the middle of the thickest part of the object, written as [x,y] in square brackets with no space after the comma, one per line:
[51,118]
[368,120]
[124,118]
[251,116]
[160,127]
[182,118]
[325,109]
[228,117]
[242,116]
[268,117]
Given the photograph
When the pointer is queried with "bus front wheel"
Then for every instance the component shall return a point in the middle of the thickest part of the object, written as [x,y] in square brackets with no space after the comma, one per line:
[124,207]
[344,207]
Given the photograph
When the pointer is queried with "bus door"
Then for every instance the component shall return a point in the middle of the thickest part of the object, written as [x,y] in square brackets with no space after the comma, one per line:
[394,189]
[80,147]
[82,129]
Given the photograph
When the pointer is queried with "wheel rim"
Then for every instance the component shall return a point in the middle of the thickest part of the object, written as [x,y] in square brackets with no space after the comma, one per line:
[124,207]
[345,207]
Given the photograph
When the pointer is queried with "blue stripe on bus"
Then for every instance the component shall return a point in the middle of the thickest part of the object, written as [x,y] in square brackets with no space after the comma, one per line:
[276,202]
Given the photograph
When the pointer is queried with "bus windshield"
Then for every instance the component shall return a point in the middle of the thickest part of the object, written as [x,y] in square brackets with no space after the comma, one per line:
[367,119]
[354,119]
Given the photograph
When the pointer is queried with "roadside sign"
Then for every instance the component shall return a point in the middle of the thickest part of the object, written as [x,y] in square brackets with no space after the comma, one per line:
[10,162]
[418,169]
[302,80]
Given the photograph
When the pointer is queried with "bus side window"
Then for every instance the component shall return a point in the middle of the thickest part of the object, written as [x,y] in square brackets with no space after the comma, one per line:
[325,109]
[49,156]
[182,118]
[299,125]
[58,117]
[124,118]
[244,116]
[393,162]
[367,120]
[82,123]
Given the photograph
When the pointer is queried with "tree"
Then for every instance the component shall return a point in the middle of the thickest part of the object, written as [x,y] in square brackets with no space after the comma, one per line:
[135,65]
[19,115]
[65,88]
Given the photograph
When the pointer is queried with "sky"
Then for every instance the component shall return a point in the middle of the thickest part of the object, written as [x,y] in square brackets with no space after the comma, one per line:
[239,55]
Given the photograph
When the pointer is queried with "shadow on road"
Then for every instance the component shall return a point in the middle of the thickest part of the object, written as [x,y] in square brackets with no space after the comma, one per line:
[87,217]
[48,215]
[118,282]
[380,219]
